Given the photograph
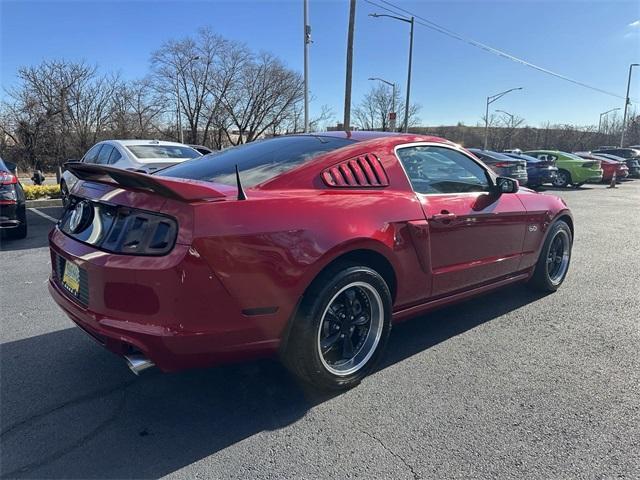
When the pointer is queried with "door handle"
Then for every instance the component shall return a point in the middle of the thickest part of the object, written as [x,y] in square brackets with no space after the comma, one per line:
[444,216]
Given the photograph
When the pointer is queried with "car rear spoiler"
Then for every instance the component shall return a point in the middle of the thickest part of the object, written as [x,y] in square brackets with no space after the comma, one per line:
[174,188]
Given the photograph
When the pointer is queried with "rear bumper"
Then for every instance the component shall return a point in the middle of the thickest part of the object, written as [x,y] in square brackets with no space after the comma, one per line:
[538,176]
[585,175]
[10,215]
[172,309]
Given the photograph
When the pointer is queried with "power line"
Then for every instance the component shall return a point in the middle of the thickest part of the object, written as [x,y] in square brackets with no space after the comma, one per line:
[450,33]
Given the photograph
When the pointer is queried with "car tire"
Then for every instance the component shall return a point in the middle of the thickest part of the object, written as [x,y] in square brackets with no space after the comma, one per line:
[347,310]
[553,263]
[562,179]
[64,192]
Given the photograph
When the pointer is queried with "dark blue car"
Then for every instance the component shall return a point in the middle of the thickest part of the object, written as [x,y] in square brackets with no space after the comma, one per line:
[538,171]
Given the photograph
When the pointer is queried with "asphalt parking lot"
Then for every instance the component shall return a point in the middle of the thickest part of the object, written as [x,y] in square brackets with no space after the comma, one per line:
[510,385]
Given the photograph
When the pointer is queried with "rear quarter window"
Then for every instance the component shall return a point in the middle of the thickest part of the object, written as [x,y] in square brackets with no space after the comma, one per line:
[257,161]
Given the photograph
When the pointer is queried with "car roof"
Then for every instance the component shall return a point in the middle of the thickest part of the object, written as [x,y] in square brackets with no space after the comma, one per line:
[491,154]
[125,143]
[363,136]
[522,156]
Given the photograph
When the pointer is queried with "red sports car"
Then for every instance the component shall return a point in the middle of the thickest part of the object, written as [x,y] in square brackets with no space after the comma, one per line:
[309,246]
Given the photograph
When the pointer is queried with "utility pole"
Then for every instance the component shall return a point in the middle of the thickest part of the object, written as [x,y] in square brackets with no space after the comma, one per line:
[347,84]
[307,41]
[626,104]
[406,103]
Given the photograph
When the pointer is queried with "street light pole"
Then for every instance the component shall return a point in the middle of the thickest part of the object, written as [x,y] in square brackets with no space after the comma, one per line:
[507,114]
[392,121]
[410,21]
[626,104]
[490,100]
[307,40]
[603,114]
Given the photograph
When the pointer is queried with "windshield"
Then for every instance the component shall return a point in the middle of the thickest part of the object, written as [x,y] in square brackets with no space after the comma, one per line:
[257,161]
[163,151]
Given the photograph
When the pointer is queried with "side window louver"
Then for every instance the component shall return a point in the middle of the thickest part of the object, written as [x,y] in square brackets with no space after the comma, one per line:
[362,171]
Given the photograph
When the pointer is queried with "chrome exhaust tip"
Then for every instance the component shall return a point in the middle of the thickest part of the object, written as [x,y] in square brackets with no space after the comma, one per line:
[138,362]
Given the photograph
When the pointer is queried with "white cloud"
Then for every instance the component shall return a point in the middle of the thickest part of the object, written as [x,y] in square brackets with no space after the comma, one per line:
[635,24]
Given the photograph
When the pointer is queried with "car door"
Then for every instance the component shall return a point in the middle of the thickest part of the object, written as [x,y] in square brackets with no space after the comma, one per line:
[475,235]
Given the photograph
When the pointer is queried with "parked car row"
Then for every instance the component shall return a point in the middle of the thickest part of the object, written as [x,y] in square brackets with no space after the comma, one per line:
[562,169]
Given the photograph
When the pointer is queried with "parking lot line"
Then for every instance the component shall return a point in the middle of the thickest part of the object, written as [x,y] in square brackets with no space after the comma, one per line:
[43,215]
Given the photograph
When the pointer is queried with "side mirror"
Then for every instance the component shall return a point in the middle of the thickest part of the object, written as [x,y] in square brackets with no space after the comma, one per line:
[506,185]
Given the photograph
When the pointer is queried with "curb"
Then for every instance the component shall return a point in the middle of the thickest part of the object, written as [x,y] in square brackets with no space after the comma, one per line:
[47,202]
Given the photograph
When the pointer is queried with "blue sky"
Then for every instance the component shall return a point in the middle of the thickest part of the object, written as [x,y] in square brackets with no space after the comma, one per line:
[590,41]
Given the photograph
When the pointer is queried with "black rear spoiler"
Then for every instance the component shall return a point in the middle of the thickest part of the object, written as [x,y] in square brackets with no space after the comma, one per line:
[174,188]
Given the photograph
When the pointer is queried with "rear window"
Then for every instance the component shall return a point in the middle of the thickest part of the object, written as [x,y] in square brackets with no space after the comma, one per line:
[257,161]
[163,151]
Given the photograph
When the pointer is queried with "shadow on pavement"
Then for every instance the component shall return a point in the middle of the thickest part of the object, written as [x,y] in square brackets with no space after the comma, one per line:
[70,409]
[38,229]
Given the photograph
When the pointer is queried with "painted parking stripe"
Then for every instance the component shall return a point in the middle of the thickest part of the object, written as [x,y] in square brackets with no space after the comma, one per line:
[44,215]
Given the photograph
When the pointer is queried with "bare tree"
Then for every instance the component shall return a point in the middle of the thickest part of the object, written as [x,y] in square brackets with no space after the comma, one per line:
[372,113]
[262,98]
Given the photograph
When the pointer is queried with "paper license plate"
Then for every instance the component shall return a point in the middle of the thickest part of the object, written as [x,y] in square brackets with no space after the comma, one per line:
[71,277]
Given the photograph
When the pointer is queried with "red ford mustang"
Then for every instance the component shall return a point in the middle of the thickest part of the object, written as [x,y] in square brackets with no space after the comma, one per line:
[309,246]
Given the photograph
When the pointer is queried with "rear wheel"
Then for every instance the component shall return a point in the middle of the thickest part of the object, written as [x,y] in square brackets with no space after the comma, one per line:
[341,328]
[555,256]
[562,179]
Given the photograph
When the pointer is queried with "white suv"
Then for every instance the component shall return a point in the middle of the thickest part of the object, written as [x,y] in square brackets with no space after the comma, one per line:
[144,155]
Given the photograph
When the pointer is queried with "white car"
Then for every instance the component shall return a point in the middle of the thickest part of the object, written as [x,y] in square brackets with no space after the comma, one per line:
[143,155]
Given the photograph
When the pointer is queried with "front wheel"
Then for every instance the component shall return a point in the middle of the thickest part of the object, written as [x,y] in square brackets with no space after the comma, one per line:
[562,179]
[340,329]
[555,256]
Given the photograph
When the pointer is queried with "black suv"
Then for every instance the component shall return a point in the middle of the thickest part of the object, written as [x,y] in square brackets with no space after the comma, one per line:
[13,211]
[631,157]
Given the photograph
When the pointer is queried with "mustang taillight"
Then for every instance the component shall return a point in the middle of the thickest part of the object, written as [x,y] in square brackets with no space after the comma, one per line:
[363,171]
[120,230]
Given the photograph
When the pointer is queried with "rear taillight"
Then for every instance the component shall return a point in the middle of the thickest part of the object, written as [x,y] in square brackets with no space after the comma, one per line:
[7,178]
[591,165]
[504,165]
[120,229]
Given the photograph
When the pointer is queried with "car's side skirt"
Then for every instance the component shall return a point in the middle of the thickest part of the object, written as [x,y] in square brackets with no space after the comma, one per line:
[406,313]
